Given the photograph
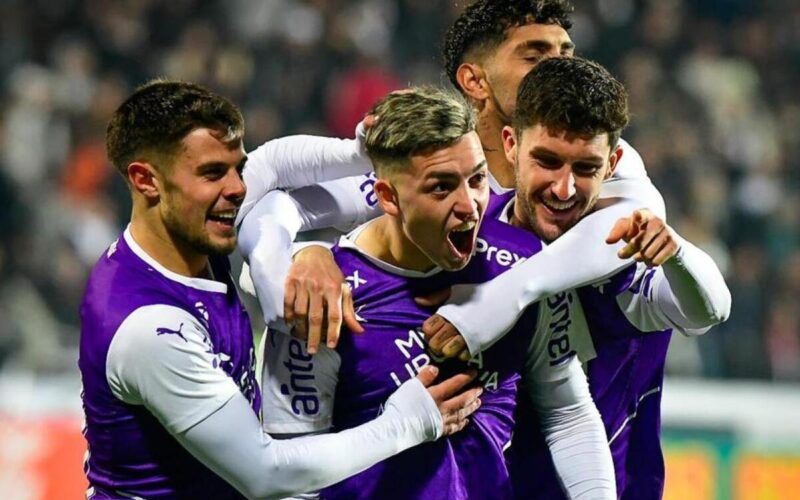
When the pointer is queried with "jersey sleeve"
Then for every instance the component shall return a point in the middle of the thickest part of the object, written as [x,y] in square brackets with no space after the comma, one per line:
[558,388]
[687,293]
[302,160]
[343,204]
[298,389]
[161,358]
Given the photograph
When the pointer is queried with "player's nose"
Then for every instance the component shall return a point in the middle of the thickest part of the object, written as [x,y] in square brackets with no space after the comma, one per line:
[234,189]
[563,187]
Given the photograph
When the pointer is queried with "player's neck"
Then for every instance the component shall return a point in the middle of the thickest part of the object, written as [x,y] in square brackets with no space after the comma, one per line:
[490,129]
[385,240]
[157,242]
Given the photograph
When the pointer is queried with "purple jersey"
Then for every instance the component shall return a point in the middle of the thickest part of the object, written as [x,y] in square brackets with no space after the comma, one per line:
[625,379]
[469,464]
[131,454]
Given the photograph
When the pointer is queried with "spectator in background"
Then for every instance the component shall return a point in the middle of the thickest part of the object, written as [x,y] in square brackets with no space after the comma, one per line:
[725,161]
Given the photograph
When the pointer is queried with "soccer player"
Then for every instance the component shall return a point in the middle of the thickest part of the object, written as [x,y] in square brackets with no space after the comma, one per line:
[431,184]
[166,349]
[488,50]
[563,143]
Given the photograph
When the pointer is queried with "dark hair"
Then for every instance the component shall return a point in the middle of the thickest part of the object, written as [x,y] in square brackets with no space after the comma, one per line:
[415,120]
[574,95]
[483,26]
[159,114]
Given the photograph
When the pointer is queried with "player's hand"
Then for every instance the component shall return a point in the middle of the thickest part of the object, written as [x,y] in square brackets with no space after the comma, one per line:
[650,240]
[454,403]
[317,299]
[443,338]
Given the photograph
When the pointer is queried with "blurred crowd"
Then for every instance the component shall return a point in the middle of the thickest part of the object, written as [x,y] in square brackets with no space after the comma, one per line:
[713,87]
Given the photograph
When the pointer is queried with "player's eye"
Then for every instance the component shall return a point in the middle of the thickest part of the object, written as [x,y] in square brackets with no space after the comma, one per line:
[586,169]
[548,162]
[477,179]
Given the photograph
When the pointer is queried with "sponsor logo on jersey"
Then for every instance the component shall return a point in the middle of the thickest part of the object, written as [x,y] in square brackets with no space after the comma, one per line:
[302,387]
[355,280]
[558,347]
[366,188]
[501,256]
[413,349]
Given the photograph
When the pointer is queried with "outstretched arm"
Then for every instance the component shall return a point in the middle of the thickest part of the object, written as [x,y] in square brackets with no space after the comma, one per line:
[301,160]
[684,289]
[176,378]
[479,315]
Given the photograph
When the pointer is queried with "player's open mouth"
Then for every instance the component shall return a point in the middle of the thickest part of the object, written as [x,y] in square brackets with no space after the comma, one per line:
[226,218]
[462,239]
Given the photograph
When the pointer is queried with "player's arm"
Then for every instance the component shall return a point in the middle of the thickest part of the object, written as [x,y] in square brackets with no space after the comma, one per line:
[479,315]
[305,287]
[570,422]
[301,160]
[161,358]
[687,292]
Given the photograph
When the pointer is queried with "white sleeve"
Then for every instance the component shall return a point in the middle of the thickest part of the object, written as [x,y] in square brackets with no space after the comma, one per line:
[232,444]
[265,240]
[570,422]
[484,313]
[687,293]
[161,357]
[298,389]
[302,160]
[343,204]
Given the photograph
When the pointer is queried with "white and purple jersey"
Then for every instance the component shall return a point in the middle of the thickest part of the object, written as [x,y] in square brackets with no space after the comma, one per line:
[625,368]
[133,305]
[624,356]
[341,389]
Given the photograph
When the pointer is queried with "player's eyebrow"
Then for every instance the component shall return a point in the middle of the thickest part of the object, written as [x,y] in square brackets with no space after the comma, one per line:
[542,46]
[541,151]
[449,174]
[479,166]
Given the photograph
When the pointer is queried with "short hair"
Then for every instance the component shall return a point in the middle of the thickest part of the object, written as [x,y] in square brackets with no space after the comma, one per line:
[154,120]
[484,24]
[574,95]
[416,120]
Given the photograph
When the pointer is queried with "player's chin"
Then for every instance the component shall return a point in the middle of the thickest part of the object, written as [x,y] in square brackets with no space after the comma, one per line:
[222,245]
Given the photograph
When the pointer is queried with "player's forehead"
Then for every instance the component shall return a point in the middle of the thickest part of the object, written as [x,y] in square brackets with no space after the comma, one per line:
[549,36]
[461,158]
[541,140]
[204,145]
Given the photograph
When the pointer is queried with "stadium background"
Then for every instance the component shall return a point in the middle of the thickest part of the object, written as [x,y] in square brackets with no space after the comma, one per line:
[714,92]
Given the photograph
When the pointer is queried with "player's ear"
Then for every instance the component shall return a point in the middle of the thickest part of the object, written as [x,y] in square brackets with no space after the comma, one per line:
[387,197]
[510,144]
[471,79]
[143,178]
[613,161]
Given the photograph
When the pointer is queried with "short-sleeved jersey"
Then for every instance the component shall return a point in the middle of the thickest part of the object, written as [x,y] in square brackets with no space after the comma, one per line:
[130,452]
[365,369]
[625,369]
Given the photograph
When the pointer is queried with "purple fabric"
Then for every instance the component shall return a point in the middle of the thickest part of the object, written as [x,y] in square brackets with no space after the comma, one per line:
[471,463]
[130,451]
[625,380]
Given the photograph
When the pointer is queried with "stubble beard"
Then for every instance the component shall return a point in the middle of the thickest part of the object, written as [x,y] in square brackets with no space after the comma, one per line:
[200,243]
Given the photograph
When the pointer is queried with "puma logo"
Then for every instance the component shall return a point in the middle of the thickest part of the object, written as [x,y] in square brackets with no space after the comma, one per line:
[162,331]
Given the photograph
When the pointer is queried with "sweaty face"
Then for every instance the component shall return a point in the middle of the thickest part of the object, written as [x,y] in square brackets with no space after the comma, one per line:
[441,199]
[522,49]
[203,190]
[559,176]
